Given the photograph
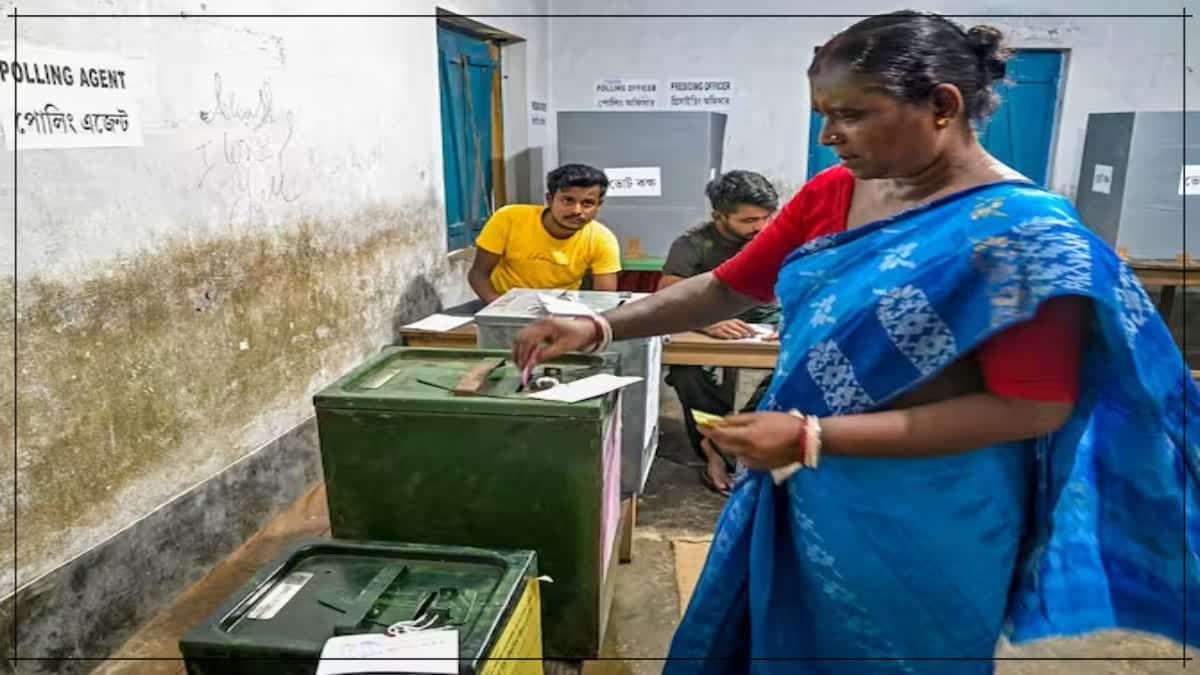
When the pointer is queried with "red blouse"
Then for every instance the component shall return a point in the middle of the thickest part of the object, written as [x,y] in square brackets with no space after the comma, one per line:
[1035,360]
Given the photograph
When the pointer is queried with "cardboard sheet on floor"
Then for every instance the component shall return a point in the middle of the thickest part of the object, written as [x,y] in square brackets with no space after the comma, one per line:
[690,555]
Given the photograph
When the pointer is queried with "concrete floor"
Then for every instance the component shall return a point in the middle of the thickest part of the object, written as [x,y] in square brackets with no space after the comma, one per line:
[646,606]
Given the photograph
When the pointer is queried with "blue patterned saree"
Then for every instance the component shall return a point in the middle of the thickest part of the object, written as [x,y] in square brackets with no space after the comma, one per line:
[873,566]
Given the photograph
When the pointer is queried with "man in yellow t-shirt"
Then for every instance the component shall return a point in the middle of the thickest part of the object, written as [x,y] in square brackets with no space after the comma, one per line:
[552,246]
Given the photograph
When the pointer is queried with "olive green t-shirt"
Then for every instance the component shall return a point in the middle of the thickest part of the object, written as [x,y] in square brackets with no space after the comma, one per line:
[703,249]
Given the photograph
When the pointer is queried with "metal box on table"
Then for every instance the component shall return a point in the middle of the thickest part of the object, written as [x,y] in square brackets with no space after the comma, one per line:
[685,146]
[407,460]
[499,322]
[1135,175]
[278,623]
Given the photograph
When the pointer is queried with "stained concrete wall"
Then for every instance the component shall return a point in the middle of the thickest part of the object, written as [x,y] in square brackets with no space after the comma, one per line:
[178,305]
[1112,63]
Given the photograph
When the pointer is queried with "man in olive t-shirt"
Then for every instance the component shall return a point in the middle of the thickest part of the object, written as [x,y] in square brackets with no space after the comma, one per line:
[743,203]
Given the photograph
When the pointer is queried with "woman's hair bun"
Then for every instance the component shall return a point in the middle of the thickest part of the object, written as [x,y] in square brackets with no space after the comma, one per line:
[988,44]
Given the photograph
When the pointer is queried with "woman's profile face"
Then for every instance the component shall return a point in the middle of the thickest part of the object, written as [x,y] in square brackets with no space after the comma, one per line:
[874,134]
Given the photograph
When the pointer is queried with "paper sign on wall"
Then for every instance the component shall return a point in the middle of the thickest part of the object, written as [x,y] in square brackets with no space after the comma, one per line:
[1189,180]
[1102,179]
[701,93]
[620,94]
[642,181]
[537,113]
[70,100]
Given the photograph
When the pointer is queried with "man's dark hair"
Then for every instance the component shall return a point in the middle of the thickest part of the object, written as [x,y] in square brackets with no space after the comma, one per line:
[735,188]
[576,176]
[908,53]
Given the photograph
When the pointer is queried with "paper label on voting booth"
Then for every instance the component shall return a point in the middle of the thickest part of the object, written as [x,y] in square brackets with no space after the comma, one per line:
[640,181]
[1189,180]
[1102,179]
[433,651]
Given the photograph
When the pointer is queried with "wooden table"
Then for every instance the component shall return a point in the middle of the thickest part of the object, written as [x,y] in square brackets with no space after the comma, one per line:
[682,349]
[1168,275]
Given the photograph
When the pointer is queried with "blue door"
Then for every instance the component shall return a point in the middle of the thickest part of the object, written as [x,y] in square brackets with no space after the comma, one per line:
[1019,133]
[465,72]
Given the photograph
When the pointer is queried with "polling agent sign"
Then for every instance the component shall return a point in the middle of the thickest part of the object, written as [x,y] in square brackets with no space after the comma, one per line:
[69,100]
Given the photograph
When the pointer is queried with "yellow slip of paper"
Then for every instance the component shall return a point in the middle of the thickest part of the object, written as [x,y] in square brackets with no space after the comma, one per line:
[706,419]
[710,420]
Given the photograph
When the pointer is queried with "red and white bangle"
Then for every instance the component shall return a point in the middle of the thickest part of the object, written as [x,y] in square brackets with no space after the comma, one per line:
[810,440]
[604,335]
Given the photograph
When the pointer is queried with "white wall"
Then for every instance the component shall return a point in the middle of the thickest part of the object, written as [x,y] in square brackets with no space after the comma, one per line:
[1113,64]
[174,314]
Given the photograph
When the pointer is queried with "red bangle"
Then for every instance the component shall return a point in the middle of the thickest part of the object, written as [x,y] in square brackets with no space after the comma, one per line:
[802,455]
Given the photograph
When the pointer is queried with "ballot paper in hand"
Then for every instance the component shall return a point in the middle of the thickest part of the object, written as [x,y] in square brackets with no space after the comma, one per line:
[588,387]
[779,475]
[439,323]
[433,651]
[563,307]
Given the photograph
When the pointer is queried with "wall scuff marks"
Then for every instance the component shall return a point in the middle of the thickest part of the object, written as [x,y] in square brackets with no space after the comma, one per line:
[161,366]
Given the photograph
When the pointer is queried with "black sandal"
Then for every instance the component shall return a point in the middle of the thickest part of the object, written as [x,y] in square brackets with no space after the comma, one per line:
[707,482]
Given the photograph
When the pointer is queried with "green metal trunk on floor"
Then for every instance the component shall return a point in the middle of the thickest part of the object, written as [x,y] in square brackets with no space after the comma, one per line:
[407,460]
[278,623]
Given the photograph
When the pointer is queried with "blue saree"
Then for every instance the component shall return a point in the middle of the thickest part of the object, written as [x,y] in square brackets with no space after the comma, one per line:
[873,566]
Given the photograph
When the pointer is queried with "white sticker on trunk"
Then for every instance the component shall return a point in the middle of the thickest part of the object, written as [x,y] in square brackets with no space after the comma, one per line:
[279,596]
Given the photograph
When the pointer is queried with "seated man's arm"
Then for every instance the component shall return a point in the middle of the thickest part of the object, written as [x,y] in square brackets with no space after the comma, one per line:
[683,261]
[489,248]
[480,275]
[604,282]
[606,263]
[668,279]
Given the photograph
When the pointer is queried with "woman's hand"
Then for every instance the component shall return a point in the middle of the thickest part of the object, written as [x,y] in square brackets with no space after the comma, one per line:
[548,338]
[761,440]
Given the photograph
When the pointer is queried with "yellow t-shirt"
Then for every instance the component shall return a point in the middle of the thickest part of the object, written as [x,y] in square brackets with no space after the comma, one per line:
[531,258]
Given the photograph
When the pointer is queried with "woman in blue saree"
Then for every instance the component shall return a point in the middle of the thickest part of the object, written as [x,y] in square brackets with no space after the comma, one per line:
[943,512]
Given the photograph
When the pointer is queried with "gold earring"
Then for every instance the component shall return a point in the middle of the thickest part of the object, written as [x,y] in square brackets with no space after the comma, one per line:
[943,122]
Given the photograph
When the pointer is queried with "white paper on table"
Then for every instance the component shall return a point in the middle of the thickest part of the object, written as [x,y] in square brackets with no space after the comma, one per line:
[763,331]
[439,323]
[563,307]
[588,387]
[433,651]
